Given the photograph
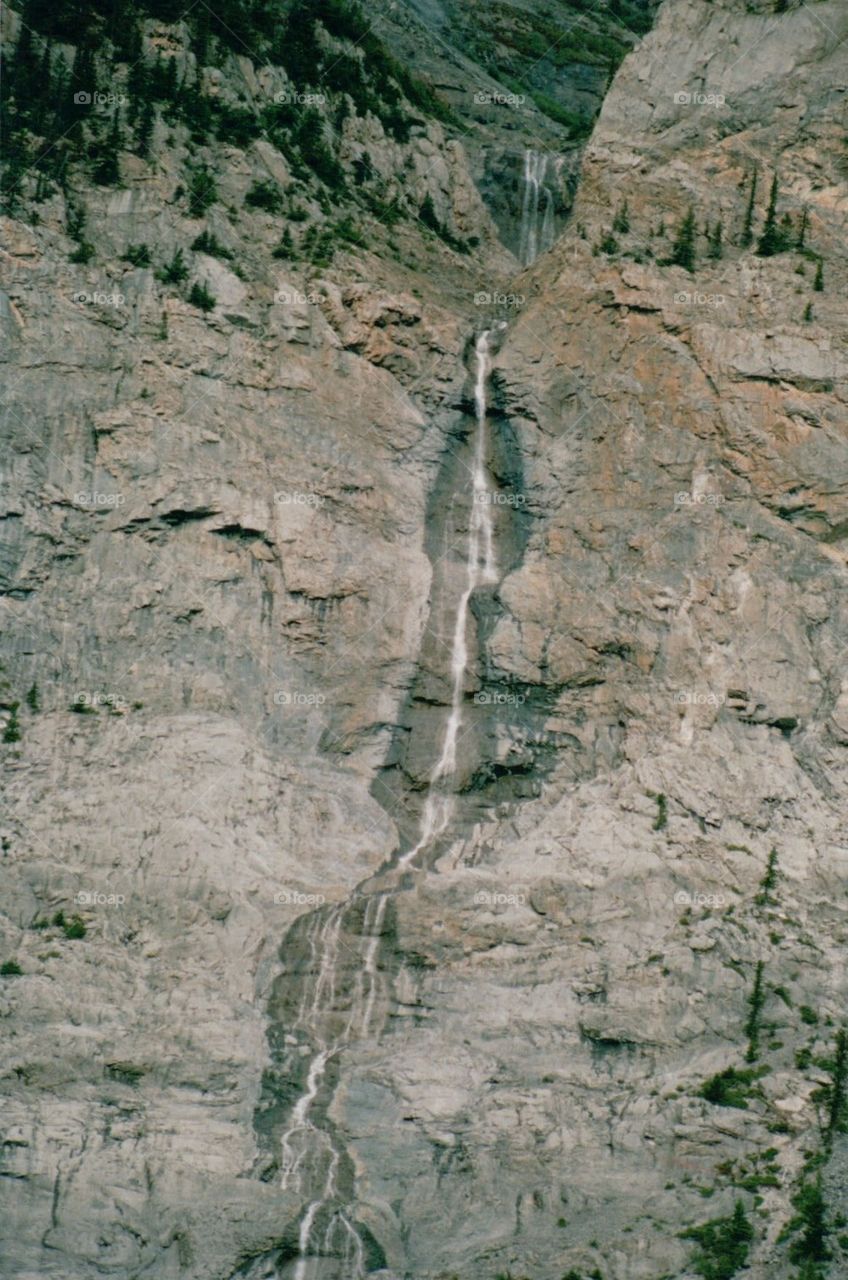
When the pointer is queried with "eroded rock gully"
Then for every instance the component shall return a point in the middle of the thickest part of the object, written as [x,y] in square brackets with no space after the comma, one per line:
[254,628]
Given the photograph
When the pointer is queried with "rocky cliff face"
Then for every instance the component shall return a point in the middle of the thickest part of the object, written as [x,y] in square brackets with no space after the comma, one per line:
[233,546]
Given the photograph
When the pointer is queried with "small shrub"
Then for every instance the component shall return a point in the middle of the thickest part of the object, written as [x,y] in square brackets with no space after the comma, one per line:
[200,296]
[137,255]
[83,253]
[208,242]
[12,731]
[75,928]
[808,1015]
[10,969]
[33,699]
[661,820]
[175,271]
[202,191]
[264,194]
[730,1088]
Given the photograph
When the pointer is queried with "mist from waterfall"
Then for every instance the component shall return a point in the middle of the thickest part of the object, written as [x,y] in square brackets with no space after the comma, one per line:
[537,231]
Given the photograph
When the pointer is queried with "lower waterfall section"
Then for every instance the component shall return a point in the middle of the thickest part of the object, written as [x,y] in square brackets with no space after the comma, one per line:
[336,987]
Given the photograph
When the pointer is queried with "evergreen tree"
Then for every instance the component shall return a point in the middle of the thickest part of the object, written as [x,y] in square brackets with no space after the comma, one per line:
[808,312]
[748,225]
[175,271]
[772,240]
[144,128]
[716,247]
[800,242]
[818,283]
[621,221]
[683,252]
[107,171]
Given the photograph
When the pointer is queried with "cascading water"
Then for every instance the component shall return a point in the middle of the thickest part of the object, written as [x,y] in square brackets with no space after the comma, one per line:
[339,1006]
[537,209]
[481,567]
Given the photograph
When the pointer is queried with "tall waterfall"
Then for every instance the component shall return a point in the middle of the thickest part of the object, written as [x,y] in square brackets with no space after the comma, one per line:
[339,1000]
[537,208]
[480,567]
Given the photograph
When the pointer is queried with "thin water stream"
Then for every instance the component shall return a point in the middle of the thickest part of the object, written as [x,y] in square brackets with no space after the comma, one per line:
[342,996]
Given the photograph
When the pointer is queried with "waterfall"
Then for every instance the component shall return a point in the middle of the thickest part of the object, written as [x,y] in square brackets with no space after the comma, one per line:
[537,209]
[336,1008]
[481,567]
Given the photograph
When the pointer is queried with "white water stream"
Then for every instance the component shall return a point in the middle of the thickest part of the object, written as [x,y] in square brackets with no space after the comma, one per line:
[537,208]
[309,1154]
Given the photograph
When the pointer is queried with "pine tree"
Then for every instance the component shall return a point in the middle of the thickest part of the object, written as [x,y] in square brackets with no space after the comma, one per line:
[800,242]
[107,170]
[285,249]
[621,221]
[818,283]
[808,312]
[771,241]
[716,247]
[144,129]
[748,225]
[683,252]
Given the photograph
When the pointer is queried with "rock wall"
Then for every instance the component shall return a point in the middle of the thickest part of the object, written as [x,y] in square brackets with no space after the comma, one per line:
[215,546]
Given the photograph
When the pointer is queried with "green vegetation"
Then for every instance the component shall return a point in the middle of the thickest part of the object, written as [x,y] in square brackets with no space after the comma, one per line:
[833,1096]
[175,271]
[756,1001]
[201,297]
[264,194]
[12,730]
[683,250]
[724,1245]
[776,236]
[715,250]
[747,235]
[818,283]
[810,1250]
[33,699]
[10,969]
[137,255]
[765,895]
[621,221]
[202,191]
[731,1087]
[661,820]
[208,242]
